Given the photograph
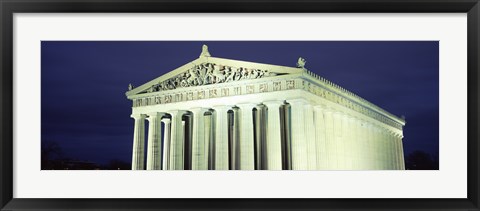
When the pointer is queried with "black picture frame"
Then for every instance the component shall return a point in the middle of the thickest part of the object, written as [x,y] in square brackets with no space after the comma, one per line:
[9,7]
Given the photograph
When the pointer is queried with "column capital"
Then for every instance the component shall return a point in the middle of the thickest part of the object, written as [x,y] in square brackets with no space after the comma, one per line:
[297,101]
[221,107]
[247,105]
[273,103]
[138,116]
[337,113]
[155,115]
[320,106]
[177,112]
[198,110]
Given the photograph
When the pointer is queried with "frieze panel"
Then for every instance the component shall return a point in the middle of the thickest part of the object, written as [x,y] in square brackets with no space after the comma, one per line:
[225,92]
[209,73]
[277,86]
[250,89]
[201,94]
[262,88]
[212,93]
[237,90]
[291,84]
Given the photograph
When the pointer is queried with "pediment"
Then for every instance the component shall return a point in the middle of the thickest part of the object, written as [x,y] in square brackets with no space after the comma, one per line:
[211,70]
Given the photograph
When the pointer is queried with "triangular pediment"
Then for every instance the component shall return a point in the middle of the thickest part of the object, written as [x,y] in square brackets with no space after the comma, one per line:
[212,70]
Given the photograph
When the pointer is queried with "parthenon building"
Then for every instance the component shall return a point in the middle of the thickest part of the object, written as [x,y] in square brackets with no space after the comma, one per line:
[221,114]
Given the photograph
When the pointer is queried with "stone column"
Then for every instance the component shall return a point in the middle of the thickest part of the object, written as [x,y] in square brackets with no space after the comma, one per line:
[154,151]
[310,136]
[221,137]
[166,144]
[384,139]
[299,143]
[377,150]
[209,143]
[368,147]
[330,140]
[402,158]
[274,137]
[388,142]
[177,141]
[388,150]
[247,157]
[320,138]
[260,138]
[138,142]
[337,140]
[396,155]
[198,140]
[355,144]
[348,145]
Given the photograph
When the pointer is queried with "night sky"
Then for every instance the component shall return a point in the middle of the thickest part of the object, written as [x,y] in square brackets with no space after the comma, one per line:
[85,110]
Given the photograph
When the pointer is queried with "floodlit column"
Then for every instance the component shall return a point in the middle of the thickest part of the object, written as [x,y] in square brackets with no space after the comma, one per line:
[274,145]
[330,140]
[381,151]
[166,144]
[356,144]
[247,156]
[378,149]
[368,145]
[402,158]
[381,140]
[299,143]
[397,161]
[310,136]
[348,153]
[338,142]
[221,138]
[177,141]
[138,142]
[154,151]
[209,143]
[387,152]
[198,140]
[390,150]
[320,137]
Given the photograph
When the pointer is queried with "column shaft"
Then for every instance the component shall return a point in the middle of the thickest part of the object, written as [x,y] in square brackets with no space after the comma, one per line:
[166,144]
[246,135]
[154,151]
[402,158]
[299,143]
[274,137]
[138,143]
[177,141]
[320,138]
[198,140]
[310,137]
[221,138]
[330,141]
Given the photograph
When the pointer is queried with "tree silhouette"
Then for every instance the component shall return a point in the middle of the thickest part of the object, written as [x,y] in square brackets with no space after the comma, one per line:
[50,152]
[420,160]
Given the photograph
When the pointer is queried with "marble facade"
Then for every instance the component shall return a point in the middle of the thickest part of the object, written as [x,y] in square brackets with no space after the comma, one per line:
[223,114]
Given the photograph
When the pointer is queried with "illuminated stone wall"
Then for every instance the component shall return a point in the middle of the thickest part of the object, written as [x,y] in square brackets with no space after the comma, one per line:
[222,114]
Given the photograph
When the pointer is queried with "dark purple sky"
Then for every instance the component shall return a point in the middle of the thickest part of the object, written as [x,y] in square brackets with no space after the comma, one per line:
[85,110]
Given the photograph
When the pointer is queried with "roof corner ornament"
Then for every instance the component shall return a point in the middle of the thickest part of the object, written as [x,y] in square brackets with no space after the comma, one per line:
[205,52]
[130,87]
[301,62]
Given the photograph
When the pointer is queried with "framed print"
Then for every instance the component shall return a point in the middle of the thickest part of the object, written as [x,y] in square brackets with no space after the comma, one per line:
[239,105]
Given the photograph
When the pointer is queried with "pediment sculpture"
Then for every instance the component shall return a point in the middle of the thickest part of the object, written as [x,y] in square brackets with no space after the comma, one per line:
[209,73]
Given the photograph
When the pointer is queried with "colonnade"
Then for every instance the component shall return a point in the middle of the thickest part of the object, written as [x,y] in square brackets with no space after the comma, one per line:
[273,135]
